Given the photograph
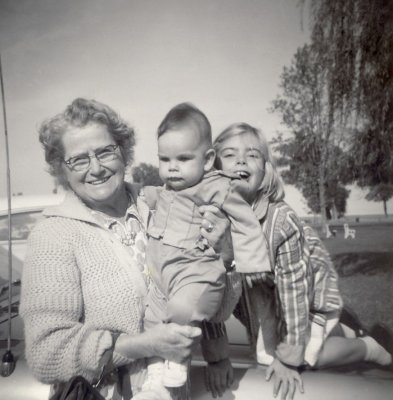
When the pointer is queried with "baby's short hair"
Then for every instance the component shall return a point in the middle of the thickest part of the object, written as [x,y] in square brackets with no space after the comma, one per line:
[185,114]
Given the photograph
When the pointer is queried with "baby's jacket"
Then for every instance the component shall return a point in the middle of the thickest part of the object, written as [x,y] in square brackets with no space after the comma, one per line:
[177,220]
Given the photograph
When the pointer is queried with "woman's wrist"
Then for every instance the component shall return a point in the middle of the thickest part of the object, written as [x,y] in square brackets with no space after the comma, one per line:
[121,351]
[132,347]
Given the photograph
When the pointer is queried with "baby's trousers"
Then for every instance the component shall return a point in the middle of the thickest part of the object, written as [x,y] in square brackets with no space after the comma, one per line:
[188,285]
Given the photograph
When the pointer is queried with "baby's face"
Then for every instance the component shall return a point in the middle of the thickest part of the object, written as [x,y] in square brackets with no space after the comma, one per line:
[182,158]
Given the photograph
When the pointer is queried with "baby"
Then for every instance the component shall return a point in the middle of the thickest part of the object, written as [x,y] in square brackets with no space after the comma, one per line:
[188,275]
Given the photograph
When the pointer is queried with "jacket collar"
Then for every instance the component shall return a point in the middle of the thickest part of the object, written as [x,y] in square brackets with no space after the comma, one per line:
[260,205]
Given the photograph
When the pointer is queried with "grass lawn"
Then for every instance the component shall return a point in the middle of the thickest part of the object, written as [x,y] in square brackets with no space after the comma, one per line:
[365,267]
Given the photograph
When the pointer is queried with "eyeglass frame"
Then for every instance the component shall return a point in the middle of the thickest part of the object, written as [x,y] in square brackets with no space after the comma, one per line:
[89,157]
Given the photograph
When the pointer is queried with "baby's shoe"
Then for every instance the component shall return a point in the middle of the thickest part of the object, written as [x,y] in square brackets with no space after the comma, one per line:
[153,388]
[175,374]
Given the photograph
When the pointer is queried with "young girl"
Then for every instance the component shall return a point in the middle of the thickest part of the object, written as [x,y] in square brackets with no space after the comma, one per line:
[301,290]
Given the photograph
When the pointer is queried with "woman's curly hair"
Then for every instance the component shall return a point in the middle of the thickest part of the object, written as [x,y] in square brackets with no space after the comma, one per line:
[80,113]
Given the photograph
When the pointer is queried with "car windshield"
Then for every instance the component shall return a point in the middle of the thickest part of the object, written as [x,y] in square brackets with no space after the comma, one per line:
[22,223]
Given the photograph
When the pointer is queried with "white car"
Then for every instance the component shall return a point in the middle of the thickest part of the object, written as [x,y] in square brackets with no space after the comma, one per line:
[250,383]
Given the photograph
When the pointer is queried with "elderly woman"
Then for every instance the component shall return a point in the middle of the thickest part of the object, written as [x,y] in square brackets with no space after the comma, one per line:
[84,279]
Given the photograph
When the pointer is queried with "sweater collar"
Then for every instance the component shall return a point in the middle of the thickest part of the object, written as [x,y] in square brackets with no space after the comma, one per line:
[72,207]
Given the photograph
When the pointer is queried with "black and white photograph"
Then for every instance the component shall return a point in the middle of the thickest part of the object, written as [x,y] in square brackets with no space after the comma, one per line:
[196,199]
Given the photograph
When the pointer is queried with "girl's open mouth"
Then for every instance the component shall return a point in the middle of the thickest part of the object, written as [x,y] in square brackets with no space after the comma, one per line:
[243,174]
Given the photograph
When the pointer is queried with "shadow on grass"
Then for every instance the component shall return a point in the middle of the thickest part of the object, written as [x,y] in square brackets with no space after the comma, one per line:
[369,263]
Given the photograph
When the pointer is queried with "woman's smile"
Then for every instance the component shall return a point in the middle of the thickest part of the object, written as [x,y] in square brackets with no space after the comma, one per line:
[101,183]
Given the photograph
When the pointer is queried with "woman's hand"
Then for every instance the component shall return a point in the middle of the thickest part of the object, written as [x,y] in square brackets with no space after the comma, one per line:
[215,229]
[172,341]
[218,377]
[168,341]
[285,378]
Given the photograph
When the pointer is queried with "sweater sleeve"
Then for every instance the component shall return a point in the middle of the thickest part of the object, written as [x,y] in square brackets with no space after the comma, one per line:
[292,284]
[58,343]
[249,245]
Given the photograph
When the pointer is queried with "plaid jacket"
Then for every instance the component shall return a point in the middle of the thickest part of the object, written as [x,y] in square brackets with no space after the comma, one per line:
[303,278]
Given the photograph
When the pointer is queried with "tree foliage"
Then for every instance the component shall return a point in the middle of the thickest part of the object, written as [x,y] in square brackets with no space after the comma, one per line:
[354,38]
[146,174]
[337,101]
[382,192]
[312,151]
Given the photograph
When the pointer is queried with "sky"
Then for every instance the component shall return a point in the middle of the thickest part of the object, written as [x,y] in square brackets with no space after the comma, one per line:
[141,58]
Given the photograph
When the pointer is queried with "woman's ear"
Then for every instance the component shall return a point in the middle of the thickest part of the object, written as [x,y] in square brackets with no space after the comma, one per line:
[210,156]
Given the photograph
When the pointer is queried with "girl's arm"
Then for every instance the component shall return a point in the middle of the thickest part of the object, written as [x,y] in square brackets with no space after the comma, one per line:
[293,285]
[215,350]
[292,278]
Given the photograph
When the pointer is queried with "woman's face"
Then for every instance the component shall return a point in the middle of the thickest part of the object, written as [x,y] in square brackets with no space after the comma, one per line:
[102,183]
[241,155]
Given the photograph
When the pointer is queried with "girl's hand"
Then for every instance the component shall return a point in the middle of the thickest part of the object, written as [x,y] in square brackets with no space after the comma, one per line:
[215,229]
[218,377]
[172,341]
[285,378]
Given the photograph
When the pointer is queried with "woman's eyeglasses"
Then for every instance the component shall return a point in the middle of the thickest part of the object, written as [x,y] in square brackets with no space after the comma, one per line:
[82,162]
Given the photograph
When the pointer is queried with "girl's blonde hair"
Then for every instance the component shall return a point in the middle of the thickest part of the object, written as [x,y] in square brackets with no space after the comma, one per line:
[272,186]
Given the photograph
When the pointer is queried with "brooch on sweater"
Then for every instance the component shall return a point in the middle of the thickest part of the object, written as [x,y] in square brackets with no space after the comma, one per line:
[124,228]
[128,239]
[127,231]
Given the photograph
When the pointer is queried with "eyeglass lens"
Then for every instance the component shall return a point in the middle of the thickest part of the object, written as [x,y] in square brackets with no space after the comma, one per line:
[103,155]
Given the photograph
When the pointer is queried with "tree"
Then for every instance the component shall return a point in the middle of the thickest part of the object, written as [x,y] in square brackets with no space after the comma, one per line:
[374,143]
[356,39]
[312,152]
[382,192]
[302,172]
[146,174]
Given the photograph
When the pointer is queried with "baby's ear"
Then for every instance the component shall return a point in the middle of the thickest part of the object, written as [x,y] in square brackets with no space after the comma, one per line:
[210,156]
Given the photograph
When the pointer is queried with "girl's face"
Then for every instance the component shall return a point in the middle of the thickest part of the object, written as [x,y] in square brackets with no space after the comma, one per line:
[242,155]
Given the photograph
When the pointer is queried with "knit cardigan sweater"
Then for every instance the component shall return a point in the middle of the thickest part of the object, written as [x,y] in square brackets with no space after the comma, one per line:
[78,290]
